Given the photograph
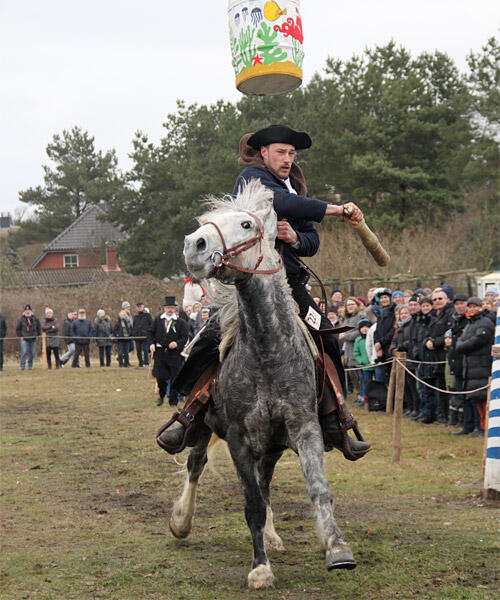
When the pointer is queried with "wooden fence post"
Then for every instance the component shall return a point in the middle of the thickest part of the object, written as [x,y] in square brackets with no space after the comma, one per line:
[390,389]
[44,350]
[398,405]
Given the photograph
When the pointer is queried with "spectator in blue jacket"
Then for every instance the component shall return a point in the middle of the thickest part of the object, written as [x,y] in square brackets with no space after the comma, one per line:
[81,330]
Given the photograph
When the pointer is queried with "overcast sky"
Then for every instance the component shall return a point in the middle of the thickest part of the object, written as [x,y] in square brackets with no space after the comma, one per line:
[115,66]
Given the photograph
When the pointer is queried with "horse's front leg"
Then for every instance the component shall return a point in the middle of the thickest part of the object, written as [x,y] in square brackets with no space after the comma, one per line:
[309,446]
[261,575]
[181,520]
[265,468]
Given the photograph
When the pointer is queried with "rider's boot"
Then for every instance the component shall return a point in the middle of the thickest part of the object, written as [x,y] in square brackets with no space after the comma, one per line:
[172,439]
[190,419]
[333,438]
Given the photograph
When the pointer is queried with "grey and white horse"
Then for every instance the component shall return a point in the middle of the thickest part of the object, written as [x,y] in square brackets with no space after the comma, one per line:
[265,395]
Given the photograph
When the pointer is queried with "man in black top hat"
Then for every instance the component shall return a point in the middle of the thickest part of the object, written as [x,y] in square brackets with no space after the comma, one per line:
[269,156]
[167,337]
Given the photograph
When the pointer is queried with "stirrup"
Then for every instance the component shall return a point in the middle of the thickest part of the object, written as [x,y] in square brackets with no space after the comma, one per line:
[187,431]
[347,450]
[196,402]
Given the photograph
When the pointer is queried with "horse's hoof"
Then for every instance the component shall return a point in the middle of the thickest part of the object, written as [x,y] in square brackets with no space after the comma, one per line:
[340,557]
[180,535]
[261,577]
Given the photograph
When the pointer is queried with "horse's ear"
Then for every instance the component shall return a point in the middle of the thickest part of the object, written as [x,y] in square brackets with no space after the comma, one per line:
[268,218]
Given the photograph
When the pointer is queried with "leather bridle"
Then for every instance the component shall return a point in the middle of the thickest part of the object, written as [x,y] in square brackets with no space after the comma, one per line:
[221,259]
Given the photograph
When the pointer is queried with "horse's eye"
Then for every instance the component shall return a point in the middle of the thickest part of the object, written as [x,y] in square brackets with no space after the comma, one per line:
[246,224]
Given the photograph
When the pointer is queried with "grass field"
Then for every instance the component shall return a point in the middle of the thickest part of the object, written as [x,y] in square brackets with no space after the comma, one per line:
[86,496]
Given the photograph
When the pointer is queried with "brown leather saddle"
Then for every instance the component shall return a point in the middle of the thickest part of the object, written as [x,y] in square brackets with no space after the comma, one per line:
[329,393]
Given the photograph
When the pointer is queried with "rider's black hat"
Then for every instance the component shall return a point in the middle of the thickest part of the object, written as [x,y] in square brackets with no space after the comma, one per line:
[169,301]
[279,134]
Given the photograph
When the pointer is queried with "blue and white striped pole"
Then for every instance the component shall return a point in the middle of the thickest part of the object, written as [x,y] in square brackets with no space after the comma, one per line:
[492,467]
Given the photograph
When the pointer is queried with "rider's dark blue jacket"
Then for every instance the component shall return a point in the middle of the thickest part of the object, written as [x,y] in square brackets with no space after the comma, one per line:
[300,211]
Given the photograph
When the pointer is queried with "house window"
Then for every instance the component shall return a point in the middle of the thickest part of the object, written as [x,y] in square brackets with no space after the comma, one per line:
[70,260]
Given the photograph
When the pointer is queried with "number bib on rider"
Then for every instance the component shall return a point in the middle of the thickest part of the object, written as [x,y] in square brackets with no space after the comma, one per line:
[313,318]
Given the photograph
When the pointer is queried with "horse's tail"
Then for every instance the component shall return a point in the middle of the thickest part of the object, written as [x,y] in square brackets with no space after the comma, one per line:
[211,454]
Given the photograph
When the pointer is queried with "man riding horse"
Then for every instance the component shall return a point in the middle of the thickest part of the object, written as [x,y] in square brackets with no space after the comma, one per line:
[269,156]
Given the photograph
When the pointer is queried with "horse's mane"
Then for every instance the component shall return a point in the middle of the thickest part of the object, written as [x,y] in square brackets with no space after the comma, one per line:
[252,197]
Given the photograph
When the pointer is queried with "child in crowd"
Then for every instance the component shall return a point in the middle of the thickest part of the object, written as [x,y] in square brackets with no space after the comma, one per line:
[361,358]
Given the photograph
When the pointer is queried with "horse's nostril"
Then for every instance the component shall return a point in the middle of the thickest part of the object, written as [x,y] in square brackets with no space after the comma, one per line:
[201,245]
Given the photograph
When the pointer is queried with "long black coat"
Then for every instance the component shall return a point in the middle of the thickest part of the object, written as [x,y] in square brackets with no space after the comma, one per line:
[384,331]
[413,350]
[3,327]
[167,362]
[455,359]
[424,323]
[475,345]
[403,337]
[66,331]
[437,329]
[142,325]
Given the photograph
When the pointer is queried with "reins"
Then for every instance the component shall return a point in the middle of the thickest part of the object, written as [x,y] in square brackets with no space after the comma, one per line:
[311,272]
[221,259]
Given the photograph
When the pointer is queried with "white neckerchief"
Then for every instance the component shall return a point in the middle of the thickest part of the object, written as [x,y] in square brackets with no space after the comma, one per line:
[289,186]
[168,320]
[292,191]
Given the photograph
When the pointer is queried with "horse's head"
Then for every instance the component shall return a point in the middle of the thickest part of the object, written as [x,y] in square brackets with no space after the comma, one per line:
[235,237]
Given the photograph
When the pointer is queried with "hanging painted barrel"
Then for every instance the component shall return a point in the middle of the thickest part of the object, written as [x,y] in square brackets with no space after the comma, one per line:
[266,45]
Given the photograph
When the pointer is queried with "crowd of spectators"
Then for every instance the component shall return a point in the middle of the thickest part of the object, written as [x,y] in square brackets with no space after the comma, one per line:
[75,335]
[447,339]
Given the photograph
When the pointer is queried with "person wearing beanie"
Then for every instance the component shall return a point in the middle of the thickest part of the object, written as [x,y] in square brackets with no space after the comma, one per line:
[475,345]
[449,291]
[28,329]
[361,358]
[397,297]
